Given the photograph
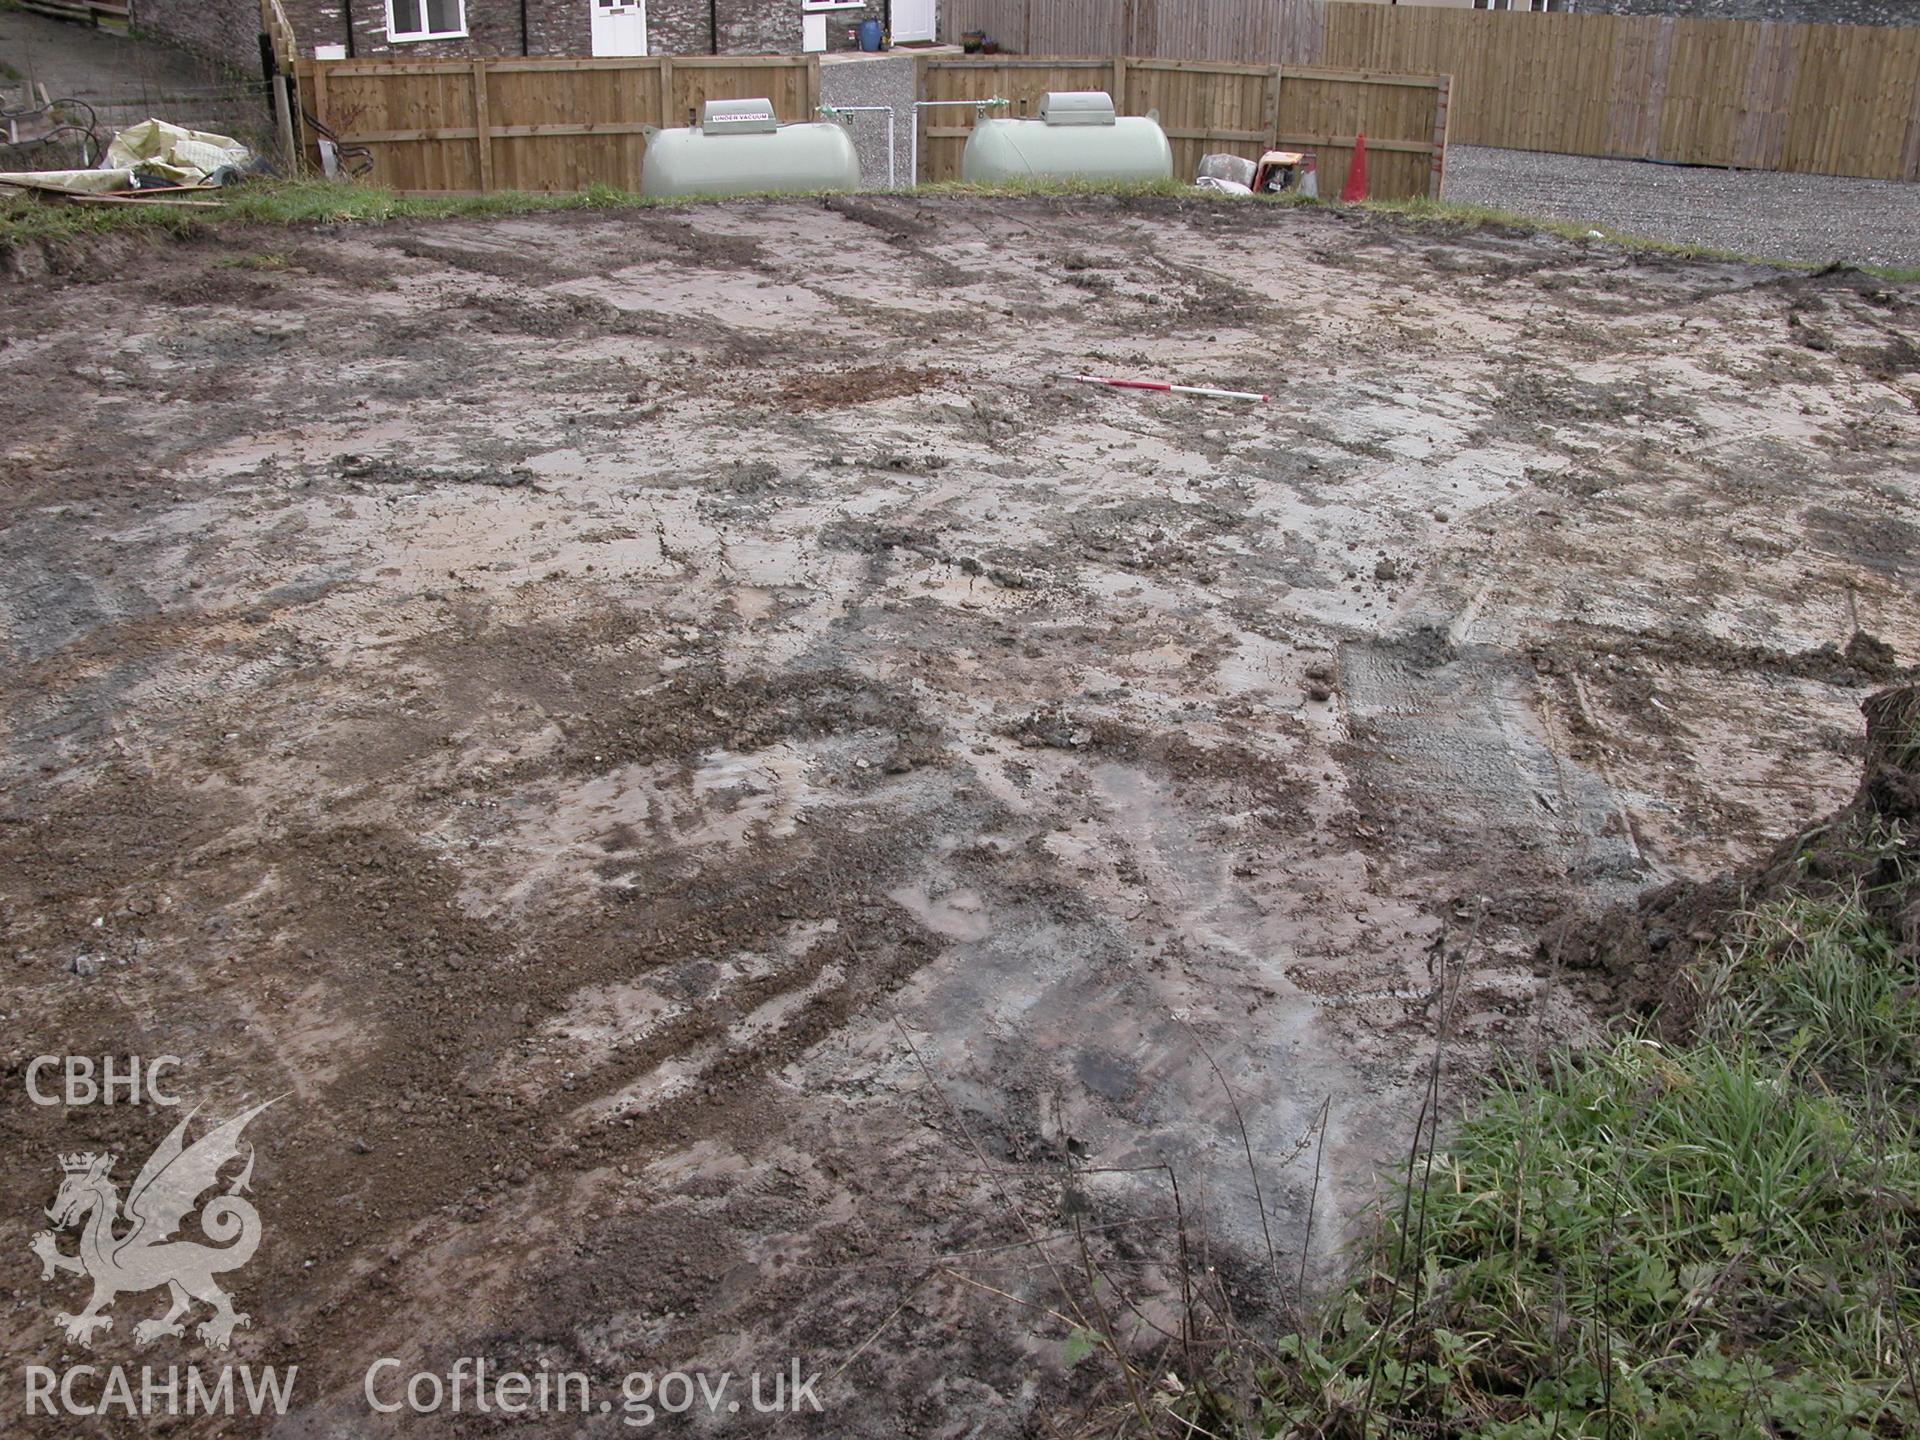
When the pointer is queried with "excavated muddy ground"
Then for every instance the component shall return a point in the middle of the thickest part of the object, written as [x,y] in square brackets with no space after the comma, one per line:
[734,806]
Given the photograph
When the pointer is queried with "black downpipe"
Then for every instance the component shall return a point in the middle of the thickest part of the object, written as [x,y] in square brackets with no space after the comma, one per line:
[526,36]
[269,67]
[346,11]
[713,24]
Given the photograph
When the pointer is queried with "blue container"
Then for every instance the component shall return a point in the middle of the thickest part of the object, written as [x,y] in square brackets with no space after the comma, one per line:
[870,35]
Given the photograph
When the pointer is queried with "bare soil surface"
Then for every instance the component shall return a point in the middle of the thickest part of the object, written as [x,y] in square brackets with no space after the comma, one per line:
[737,807]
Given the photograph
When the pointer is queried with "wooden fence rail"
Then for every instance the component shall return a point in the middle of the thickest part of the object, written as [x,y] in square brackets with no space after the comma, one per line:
[1826,99]
[534,124]
[1210,105]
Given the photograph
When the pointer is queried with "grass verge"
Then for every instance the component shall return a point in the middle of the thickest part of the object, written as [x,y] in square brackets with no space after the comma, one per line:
[322,202]
[296,202]
[288,202]
[1643,1242]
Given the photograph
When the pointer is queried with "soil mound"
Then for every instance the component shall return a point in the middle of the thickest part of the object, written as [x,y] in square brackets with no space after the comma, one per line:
[1647,950]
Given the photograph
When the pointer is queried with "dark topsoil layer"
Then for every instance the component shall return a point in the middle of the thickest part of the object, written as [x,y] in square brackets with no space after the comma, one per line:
[1648,950]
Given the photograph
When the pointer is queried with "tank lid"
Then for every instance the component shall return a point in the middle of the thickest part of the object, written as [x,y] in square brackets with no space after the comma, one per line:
[738,117]
[1077,107]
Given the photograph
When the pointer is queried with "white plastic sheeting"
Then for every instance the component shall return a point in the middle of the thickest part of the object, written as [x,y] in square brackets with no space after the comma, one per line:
[154,149]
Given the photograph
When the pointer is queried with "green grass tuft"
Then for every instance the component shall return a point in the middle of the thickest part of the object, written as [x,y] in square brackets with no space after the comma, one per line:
[292,202]
[1651,1243]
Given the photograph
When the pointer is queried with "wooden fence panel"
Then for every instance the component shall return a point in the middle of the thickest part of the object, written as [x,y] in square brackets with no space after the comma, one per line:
[1706,88]
[1261,32]
[791,82]
[545,123]
[1880,104]
[1204,106]
[1325,110]
[534,113]
[1208,106]
[1835,99]
[1641,53]
[1769,86]
[417,119]
[1049,27]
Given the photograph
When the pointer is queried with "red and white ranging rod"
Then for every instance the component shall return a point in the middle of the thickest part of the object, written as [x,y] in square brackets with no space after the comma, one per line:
[1170,388]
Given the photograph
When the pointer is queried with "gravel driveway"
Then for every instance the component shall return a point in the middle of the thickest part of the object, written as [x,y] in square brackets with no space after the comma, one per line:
[1752,212]
[874,80]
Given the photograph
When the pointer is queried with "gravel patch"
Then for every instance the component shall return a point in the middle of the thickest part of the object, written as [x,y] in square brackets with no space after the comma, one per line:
[1793,12]
[1813,218]
[885,80]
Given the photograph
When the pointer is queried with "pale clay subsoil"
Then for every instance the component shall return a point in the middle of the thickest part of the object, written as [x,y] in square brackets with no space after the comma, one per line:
[729,798]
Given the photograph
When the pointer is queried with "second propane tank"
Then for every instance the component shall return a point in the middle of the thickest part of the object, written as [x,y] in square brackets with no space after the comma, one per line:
[1076,136]
[740,147]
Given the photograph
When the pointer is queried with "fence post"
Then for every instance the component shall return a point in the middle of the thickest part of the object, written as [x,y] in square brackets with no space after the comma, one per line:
[1437,177]
[666,93]
[1120,84]
[919,162]
[1270,121]
[320,92]
[278,104]
[283,107]
[482,125]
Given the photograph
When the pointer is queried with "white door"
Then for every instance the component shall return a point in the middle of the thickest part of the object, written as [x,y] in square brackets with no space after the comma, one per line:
[913,19]
[619,27]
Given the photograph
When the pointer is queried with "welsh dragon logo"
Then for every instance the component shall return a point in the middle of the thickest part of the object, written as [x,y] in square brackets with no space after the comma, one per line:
[146,1256]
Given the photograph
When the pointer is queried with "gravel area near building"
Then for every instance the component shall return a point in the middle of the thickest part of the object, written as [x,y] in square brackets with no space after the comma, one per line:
[1751,212]
[874,80]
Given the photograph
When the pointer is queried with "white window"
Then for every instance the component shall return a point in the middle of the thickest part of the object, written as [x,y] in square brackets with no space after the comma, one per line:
[426,19]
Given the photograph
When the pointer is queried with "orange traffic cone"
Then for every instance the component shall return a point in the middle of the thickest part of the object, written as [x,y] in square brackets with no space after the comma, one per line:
[1356,186]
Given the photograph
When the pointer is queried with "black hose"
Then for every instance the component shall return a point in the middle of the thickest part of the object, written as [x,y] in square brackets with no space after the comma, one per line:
[356,160]
[90,148]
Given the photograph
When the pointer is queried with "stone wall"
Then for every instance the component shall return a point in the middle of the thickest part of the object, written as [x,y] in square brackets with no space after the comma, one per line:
[553,27]
[675,27]
[224,30]
[747,27]
[759,27]
[493,28]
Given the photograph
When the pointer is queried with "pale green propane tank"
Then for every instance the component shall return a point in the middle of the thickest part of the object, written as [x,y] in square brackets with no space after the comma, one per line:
[739,147]
[1075,137]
